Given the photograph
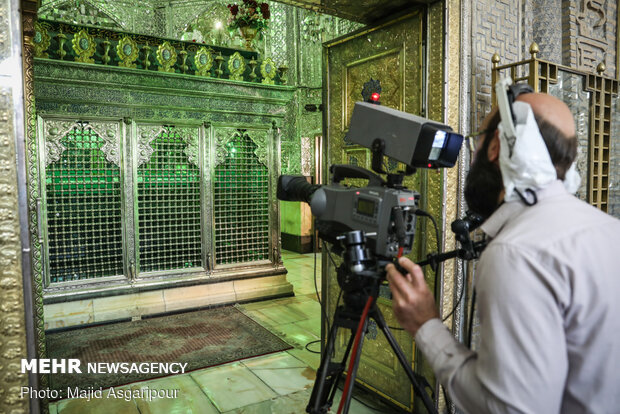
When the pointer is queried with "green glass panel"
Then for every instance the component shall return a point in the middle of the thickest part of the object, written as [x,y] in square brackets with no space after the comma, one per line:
[83,223]
[169,207]
[241,205]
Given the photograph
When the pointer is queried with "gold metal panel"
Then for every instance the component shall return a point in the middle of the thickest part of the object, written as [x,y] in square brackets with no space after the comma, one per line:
[41,41]
[451,278]
[451,175]
[391,53]
[600,139]
[433,195]
[382,66]
[356,155]
[361,11]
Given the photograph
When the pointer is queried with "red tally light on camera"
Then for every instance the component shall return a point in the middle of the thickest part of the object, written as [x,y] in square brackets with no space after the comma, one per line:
[375,97]
[430,165]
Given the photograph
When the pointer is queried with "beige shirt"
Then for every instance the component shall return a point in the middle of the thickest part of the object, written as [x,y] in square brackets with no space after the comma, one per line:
[548,288]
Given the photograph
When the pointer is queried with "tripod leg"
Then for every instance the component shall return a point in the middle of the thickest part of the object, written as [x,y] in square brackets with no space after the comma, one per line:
[417,388]
[348,392]
[329,372]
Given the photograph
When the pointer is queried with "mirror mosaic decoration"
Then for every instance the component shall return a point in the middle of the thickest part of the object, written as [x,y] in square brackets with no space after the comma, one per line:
[293,41]
[100,33]
[614,161]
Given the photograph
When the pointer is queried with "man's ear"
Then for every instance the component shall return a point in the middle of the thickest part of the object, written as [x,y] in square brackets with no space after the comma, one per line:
[493,150]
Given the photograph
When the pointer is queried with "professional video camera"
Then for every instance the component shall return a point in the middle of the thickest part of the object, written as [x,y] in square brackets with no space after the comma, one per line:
[370,227]
[384,210]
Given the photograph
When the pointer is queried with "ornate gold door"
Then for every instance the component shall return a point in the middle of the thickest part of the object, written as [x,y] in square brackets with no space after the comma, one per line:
[392,54]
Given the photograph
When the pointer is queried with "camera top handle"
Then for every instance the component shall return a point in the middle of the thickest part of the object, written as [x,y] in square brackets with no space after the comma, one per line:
[342,171]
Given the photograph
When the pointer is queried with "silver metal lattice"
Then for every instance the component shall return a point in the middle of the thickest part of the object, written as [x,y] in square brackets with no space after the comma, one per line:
[84,227]
[241,204]
[169,207]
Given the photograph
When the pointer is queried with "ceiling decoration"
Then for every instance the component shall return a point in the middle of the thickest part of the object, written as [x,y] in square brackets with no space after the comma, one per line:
[82,12]
[366,11]
[210,26]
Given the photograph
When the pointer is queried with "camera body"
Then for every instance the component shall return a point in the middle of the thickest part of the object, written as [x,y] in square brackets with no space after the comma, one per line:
[385,214]
[377,211]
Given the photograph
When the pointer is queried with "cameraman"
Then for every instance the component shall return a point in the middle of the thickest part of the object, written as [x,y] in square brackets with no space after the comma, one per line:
[548,287]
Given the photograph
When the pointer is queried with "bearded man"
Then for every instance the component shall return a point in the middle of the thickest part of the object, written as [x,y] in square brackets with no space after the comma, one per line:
[547,285]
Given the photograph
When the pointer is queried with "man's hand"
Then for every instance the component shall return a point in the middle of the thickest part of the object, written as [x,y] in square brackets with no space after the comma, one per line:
[412,300]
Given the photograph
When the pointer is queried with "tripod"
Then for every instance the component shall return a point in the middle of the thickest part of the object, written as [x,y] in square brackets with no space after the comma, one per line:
[351,316]
[360,277]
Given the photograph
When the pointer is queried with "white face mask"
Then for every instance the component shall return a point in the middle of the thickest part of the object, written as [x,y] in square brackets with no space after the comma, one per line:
[572,179]
[524,160]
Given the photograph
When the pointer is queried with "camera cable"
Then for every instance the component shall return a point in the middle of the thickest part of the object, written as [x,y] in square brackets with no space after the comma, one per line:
[423,213]
[318,296]
[456,305]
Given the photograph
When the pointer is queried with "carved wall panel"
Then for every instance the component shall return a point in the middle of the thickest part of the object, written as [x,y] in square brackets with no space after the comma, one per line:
[13,346]
[382,66]
[590,35]
[496,28]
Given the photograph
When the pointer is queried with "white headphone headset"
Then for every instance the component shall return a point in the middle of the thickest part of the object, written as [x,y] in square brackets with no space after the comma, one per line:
[524,159]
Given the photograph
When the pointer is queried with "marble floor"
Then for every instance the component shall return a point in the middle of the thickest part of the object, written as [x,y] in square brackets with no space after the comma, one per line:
[278,383]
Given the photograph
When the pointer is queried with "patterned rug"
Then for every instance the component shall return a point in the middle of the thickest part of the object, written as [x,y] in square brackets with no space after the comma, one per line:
[201,339]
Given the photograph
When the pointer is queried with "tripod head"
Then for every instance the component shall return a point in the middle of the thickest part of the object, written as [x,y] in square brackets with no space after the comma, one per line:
[360,275]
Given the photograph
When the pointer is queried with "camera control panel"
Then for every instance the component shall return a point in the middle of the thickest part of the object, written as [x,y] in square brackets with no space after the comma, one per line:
[366,208]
